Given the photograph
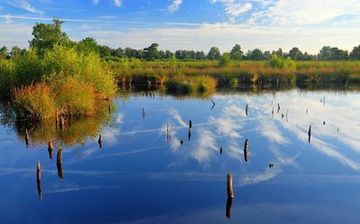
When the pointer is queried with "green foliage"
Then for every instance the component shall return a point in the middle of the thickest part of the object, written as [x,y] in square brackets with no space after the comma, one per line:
[203,85]
[28,69]
[214,54]
[87,46]
[281,63]
[46,36]
[3,52]
[236,52]
[225,60]
[7,76]
[151,52]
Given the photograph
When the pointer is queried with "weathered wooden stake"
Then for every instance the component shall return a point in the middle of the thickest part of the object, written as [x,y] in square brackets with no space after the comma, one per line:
[190,124]
[50,149]
[100,141]
[38,179]
[309,134]
[59,163]
[246,150]
[246,109]
[278,109]
[221,150]
[230,191]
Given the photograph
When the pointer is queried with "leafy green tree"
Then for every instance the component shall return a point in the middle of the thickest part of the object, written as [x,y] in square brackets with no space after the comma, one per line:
[214,54]
[225,60]
[355,53]
[88,45]
[15,51]
[151,52]
[3,52]
[46,36]
[256,55]
[236,52]
[295,54]
[104,51]
[332,53]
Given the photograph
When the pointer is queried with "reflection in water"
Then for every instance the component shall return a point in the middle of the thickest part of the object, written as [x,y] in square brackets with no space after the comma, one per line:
[143,113]
[189,135]
[27,138]
[50,149]
[229,202]
[77,131]
[59,163]
[38,180]
[213,104]
[246,149]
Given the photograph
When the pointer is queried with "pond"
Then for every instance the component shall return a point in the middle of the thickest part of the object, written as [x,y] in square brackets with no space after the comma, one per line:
[151,168]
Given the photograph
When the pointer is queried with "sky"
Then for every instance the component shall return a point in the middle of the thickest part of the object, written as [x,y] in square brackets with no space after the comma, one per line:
[191,24]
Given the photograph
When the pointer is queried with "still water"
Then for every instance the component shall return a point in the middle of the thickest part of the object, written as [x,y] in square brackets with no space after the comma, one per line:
[149,169]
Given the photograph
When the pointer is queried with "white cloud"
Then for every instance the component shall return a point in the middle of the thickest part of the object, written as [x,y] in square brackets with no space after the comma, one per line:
[25,5]
[234,8]
[175,5]
[96,1]
[117,3]
[302,12]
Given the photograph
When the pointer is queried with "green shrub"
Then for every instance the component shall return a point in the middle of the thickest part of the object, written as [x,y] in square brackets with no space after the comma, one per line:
[225,60]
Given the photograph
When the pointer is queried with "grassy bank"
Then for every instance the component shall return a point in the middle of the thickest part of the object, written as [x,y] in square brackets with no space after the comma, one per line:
[238,73]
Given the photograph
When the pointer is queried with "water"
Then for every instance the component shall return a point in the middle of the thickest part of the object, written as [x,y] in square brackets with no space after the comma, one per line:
[140,175]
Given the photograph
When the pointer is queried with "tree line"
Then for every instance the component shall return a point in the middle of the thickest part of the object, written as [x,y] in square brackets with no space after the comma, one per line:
[48,35]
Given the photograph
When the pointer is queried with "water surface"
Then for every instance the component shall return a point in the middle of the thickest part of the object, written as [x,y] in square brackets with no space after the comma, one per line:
[143,174]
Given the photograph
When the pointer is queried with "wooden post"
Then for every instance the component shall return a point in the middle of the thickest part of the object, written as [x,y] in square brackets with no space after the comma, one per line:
[190,124]
[278,109]
[309,134]
[100,141]
[38,179]
[246,150]
[50,149]
[230,191]
[221,150]
[59,163]
[246,109]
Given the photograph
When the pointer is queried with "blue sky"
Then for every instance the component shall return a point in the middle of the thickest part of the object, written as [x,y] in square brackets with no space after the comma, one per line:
[191,24]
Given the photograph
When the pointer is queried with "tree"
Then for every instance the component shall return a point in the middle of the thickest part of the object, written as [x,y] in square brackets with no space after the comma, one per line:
[88,45]
[355,53]
[236,53]
[225,60]
[104,51]
[3,52]
[214,54]
[332,53]
[256,55]
[295,53]
[151,52]
[15,51]
[46,36]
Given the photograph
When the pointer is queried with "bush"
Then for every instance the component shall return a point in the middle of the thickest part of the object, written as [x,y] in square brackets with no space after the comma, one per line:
[276,61]
[7,75]
[225,60]
[191,85]
[35,101]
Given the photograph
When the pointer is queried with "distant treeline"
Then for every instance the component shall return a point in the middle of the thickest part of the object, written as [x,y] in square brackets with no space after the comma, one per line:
[152,52]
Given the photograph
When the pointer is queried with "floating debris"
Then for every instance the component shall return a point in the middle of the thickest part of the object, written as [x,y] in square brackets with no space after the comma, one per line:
[246,150]
[59,163]
[50,149]
[38,180]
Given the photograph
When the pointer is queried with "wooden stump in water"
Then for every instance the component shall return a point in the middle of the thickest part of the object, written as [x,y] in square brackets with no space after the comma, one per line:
[38,179]
[246,150]
[50,149]
[190,124]
[59,163]
[100,141]
[230,191]
[309,134]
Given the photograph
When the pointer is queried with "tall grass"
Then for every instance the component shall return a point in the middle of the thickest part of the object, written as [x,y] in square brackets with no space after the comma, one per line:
[191,85]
